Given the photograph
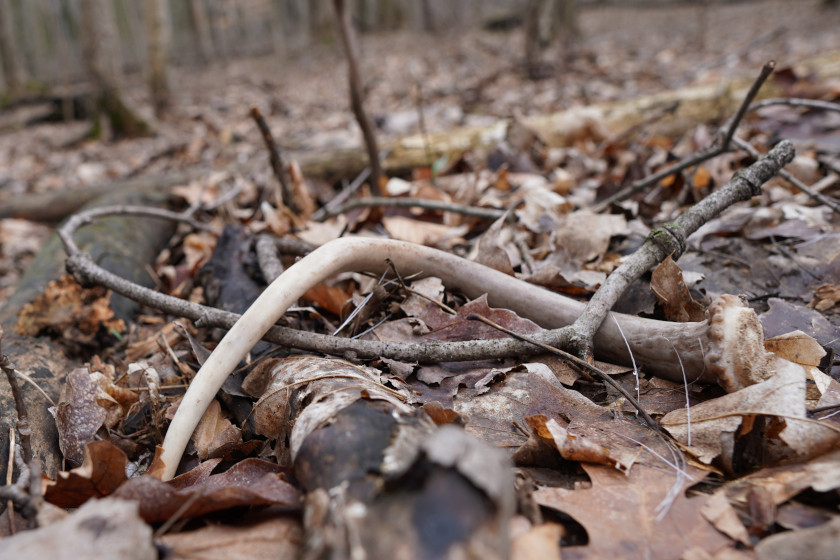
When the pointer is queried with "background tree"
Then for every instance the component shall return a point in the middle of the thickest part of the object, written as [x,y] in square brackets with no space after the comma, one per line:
[9,51]
[101,54]
[158,35]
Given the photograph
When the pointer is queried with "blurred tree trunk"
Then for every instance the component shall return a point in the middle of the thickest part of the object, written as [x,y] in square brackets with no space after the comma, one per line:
[158,33]
[429,24]
[9,51]
[567,21]
[200,23]
[533,44]
[544,20]
[100,47]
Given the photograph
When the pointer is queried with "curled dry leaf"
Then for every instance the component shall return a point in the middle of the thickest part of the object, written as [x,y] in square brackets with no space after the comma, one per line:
[670,289]
[716,425]
[783,482]
[251,482]
[214,433]
[825,297]
[720,513]
[101,473]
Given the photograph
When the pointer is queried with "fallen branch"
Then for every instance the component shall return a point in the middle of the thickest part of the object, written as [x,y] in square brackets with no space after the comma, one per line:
[721,145]
[422,203]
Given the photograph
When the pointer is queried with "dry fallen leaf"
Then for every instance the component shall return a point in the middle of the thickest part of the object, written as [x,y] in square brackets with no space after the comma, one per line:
[670,289]
[713,427]
[101,473]
[78,415]
[256,537]
[251,482]
[619,513]
[99,530]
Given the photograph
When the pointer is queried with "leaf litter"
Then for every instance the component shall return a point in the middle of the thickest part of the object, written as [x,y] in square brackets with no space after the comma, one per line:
[609,474]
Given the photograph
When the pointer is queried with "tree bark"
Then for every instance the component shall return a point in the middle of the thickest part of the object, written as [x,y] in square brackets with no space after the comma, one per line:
[100,48]
[200,23]
[9,52]
[158,32]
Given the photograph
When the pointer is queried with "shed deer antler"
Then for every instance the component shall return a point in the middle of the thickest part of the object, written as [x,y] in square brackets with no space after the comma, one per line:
[706,349]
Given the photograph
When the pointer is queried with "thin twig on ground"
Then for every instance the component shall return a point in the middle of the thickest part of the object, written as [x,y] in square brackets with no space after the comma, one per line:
[276,159]
[356,101]
[670,239]
[422,203]
[721,145]
[24,430]
[325,211]
[787,176]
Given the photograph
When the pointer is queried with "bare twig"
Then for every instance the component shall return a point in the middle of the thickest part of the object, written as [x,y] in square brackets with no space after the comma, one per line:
[669,239]
[819,197]
[425,204]
[356,102]
[325,211]
[270,264]
[729,127]
[796,102]
[24,430]
[720,146]
[276,159]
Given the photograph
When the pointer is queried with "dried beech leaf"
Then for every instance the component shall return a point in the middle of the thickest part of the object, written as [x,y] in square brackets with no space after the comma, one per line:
[720,513]
[577,448]
[715,424]
[214,432]
[796,347]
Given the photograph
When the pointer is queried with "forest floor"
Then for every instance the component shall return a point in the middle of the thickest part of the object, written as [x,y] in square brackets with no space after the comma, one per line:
[781,251]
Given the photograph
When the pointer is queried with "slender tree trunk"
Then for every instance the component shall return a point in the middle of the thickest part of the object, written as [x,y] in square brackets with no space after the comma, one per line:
[201,27]
[9,51]
[158,33]
[100,47]
[532,38]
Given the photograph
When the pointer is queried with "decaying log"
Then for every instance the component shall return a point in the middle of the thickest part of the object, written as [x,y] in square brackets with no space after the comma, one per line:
[57,205]
[116,244]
